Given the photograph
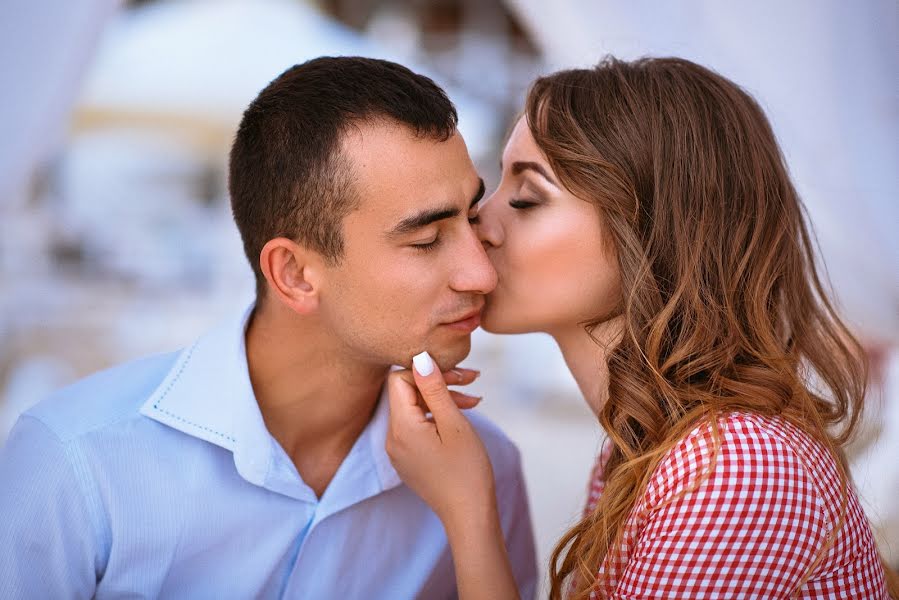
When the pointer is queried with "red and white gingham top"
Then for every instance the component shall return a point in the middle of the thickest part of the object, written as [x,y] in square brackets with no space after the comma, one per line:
[751,530]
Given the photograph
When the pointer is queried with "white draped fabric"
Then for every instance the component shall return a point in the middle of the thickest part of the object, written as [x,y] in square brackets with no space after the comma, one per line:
[45,50]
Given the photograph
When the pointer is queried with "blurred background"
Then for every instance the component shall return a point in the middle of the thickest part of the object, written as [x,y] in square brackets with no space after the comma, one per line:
[116,118]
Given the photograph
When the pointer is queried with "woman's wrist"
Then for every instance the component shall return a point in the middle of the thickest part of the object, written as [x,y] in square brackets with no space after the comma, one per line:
[479,555]
[473,525]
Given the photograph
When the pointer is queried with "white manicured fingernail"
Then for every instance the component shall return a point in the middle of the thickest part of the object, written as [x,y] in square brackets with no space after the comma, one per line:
[423,364]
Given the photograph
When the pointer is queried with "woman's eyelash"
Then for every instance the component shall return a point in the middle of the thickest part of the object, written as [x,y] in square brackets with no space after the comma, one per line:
[521,204]
[474,220]
[428,246]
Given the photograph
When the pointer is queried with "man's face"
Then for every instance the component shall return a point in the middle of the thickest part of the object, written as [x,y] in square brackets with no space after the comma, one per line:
[414,274]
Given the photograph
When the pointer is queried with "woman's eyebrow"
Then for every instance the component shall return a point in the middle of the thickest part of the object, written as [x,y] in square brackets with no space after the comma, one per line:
[519,166]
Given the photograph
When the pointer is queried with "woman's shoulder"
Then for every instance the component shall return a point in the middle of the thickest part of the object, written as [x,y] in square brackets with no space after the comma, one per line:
[749,457]
[746,454]
[752,435]
[760,441]
[743,445]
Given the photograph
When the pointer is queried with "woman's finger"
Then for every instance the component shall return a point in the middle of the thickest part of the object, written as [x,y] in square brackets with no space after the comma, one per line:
[433,390]
[460,376]
[455,376]
[403,397]
[463,401]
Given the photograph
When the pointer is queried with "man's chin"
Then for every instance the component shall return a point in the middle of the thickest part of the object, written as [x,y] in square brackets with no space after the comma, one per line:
[446,353]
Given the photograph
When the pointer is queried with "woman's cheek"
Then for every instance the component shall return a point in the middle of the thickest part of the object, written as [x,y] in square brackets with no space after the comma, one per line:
[572,269]
[543,271]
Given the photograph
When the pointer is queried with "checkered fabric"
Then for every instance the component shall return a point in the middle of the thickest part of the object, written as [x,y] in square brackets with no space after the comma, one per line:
[752,529]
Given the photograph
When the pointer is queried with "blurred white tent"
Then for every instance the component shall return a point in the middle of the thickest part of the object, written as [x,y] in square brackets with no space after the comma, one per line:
[204,61]
[188,66]
[195,66]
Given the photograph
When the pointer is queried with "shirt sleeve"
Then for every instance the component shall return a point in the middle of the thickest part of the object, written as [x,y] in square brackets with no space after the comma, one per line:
[49,545]
[515,518]
[751,529]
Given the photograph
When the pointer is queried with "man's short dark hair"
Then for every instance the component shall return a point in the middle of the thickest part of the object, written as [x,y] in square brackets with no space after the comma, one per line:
[286,174]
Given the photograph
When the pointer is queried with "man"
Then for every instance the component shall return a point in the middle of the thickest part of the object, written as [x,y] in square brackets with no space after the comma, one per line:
[252,464]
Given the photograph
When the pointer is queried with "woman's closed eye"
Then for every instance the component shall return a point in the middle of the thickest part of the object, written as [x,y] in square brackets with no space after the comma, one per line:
[521,204]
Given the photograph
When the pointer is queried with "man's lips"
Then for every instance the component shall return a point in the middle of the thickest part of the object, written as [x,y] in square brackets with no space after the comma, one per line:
[466,322]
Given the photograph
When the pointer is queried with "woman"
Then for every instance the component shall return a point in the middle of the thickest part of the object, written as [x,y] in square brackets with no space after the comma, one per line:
[646,220]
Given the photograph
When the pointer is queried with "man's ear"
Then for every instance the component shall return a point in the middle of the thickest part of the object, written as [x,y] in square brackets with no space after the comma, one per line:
[294,274]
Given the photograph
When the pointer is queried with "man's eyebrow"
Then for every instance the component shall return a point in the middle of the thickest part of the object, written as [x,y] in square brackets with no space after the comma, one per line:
[519,166]
[426,217]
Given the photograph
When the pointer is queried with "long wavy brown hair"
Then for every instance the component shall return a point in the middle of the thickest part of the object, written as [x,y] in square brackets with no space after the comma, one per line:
[722,306]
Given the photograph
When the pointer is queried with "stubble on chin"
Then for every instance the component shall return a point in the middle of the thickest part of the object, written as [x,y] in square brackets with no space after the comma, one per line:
[446,356]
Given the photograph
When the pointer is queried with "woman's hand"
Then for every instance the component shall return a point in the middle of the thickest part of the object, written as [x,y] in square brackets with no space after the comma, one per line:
[444,461]
[456,376]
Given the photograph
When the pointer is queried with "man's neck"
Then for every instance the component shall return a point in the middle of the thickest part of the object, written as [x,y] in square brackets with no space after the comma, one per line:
[314,400]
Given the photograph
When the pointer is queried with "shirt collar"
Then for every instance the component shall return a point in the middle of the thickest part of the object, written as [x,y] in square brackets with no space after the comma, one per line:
[208,394]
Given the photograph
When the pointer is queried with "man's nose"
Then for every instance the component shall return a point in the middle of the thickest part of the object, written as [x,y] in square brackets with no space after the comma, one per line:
[474,272]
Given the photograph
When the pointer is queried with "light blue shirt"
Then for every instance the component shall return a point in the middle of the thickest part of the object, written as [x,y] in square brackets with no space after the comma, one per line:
[158,478]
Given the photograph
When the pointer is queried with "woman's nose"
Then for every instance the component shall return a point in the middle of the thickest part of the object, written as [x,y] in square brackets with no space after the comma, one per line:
[489,227]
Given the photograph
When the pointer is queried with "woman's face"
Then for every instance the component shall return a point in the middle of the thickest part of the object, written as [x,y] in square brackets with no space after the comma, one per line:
[548,247]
